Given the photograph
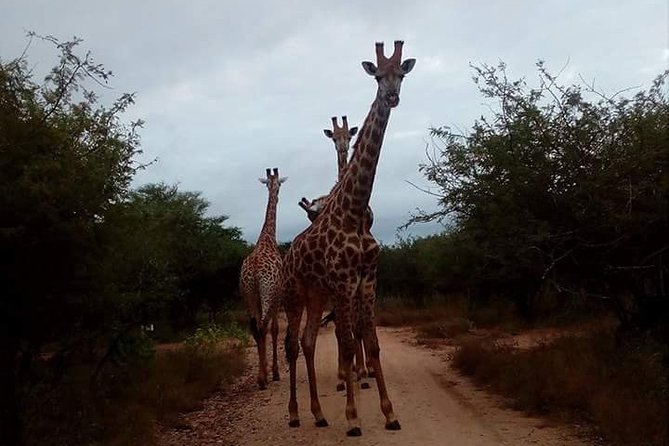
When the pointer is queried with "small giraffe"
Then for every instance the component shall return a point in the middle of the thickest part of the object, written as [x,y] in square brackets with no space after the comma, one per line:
[327,259]
[341,136]
[260,281]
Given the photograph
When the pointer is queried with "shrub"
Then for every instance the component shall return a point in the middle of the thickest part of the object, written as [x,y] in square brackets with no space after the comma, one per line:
[622,389]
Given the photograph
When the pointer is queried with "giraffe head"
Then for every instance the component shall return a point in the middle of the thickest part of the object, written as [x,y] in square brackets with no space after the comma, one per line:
[272,180]
[313,207]
[342,138]
[389,72]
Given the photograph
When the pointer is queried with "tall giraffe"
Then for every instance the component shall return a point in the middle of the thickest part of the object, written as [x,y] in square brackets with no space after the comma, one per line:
[341,136]
[327,259]
[260,281]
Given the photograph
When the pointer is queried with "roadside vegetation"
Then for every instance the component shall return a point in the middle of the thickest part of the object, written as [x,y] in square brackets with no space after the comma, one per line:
[622,390]
[556,213]
[96,273]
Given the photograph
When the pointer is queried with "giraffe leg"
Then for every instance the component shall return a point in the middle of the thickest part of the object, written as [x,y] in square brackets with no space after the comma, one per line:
[341,371]
[344,329]
[275,335]
[371,341]
[292,351]
[368,361]
[309,349]
[360,369]
[262,358]
[386,405]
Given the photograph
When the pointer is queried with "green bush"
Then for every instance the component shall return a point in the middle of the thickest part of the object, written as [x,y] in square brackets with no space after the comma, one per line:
[212,336]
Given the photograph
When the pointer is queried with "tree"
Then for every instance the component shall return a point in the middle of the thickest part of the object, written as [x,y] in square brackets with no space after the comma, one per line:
[562,188]
[85,260]
[65,160]
[172,256]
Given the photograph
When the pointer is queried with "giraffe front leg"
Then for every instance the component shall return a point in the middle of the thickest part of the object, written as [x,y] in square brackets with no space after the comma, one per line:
[371,342]
[314,313]
[275,336]
[375,357]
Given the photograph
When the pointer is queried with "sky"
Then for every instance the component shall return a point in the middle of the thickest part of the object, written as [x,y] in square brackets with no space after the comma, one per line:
[228,88]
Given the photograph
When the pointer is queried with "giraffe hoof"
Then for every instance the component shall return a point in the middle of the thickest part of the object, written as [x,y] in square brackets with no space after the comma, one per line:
[355,432]
[364,386]
[394,426]
[322,423]
[371,374]
[341,387]
[294,423]
[275,376]
[262,386]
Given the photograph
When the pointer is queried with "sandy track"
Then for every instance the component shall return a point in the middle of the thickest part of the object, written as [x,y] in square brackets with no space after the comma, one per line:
[433,403]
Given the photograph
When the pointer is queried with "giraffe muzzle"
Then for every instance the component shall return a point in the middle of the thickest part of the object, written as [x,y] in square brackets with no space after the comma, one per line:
[393,100]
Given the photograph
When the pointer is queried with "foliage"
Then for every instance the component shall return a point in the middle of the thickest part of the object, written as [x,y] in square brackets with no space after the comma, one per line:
[210,336]
[86,260]
[169,255]
[123,405]
[563,191]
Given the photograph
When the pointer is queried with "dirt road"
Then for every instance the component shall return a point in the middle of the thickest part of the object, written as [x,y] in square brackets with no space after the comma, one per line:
[433,403]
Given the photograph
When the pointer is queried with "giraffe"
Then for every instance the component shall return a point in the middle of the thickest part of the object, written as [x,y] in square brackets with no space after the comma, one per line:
[341,136]
[259,281]
[327,258]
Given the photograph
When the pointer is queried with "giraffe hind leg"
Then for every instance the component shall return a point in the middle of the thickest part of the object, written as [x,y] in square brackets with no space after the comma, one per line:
[275,335]
[292,347]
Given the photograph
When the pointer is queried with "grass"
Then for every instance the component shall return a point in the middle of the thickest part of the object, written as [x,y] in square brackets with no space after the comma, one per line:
[454,310]
[623,390]
[449,328]
[122,405]
[397,312]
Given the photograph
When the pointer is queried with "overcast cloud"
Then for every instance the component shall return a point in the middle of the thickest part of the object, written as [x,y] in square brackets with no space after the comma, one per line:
[228,88]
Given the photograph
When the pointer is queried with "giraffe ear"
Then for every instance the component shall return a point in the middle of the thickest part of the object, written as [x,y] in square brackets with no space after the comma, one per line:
[407,65]
[263,180]
[283,180]
[352,131]
[328,133]
[369,68]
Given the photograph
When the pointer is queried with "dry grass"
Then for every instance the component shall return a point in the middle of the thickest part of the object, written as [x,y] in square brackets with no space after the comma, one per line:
[396,312]
[450,328]
[622,390]
[122,405]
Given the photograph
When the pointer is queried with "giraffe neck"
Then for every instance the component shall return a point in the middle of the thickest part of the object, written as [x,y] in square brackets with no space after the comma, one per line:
[342,162]
[268,232]
[355,186]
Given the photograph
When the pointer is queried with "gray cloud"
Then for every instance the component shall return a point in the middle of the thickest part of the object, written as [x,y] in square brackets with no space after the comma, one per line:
[230,88]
